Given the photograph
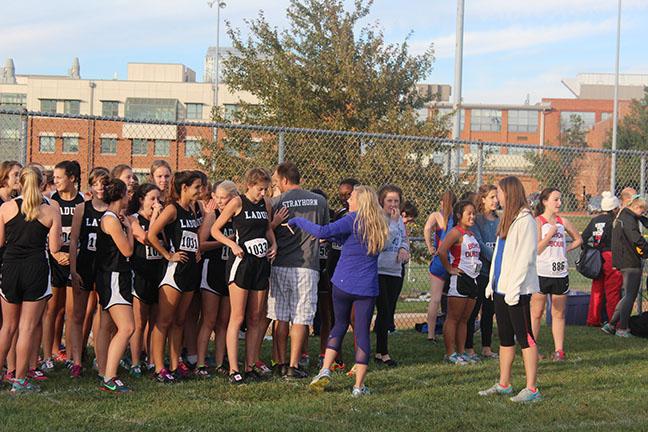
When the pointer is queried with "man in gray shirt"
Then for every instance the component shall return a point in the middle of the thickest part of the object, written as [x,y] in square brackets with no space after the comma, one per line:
[295,269]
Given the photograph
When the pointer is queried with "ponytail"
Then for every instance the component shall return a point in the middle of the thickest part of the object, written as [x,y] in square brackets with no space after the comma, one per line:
[30,181]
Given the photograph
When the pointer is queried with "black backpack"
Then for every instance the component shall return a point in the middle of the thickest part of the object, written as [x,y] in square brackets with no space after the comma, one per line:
[590,262]
[639,325]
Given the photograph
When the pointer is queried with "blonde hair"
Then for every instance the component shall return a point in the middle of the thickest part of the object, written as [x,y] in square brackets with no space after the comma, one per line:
[30,180]
[228,186]
[370,222]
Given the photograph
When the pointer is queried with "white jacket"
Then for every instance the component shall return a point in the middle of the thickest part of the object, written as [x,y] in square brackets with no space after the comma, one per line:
[518,274]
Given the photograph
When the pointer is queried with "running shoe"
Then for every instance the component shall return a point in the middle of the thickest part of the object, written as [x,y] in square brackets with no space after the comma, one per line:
[390,362]
[470,358]
[624,333]
[201,372]
[558,356]
[135,371]
[492,355]
[252,376]
[183,371]
[236,378]
[608,328]
[320,381]
[281,369]
[114,385]
[360,391]
[222,370]
[23,386]
[61,357]
[526,395]
[125,362]
[36,375]
[9,376]
[497,389]
[455,359]
[338,366]
[295,373]
[75,371]
[47,365]
[261,369]
[164,376]
[304,361]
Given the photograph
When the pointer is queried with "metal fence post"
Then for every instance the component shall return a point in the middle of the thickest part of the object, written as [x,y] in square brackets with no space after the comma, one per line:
[282,147]
[480,164]
[23,138]
[642,176]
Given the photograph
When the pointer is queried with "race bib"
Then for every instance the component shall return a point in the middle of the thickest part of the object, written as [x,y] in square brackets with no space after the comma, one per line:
[65,235]
[189,241]
[336,246]
[92,242]
[558,266]
[323,251]
[152,253]
[257,247]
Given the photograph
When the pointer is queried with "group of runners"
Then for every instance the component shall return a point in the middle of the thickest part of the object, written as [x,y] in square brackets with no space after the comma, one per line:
[153,270]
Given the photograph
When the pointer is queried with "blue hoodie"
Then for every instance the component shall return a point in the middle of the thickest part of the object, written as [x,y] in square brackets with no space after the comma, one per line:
[485,232]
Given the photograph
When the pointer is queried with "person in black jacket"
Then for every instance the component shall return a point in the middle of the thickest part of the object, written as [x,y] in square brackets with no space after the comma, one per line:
[607,287]
[628,249]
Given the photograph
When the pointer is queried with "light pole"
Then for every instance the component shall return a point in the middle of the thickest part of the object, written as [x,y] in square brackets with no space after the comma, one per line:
[456,100]
[215,79]
[615,113]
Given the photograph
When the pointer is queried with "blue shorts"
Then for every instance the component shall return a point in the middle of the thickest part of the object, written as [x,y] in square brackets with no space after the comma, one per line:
[437,269]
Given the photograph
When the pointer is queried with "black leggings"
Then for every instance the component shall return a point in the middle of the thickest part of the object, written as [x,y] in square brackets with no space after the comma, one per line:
[487,311]
[514,322]
[390,288]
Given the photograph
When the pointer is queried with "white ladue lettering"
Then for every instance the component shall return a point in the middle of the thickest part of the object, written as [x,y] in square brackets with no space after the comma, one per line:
[189,223]
[67,211]
[92,222]
[256,214]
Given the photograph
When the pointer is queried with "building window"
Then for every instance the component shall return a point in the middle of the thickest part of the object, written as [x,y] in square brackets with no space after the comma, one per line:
[13,100]
[231,110]
[484,120]
[47,144]
[606,115]
[162,147]
[194,111]
[110,108]
[192,148]
[140,147]
[151,109]
[566,120]
[108,145]
[522,121]
[72,107]
[448,112]
[70,144]
[48,106]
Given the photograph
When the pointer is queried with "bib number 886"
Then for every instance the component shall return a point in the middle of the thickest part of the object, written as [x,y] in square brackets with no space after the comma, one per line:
[558,266]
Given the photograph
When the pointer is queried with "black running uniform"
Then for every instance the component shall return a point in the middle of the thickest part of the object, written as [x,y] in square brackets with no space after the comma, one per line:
[25,267]
[334,252]
[114,274]
[149,267]
[183,236]
[86,263]
[324,284]
[215,264]
[253,270]
[2,248]
[61,274]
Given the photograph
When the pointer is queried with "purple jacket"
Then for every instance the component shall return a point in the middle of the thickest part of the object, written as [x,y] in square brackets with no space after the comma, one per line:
[357,271]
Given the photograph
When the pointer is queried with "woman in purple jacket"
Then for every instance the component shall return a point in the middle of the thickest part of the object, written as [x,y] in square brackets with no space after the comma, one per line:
[363,234]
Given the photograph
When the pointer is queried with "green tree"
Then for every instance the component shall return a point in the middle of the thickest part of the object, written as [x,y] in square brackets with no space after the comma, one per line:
[632,134]
[329,71]
[560,168]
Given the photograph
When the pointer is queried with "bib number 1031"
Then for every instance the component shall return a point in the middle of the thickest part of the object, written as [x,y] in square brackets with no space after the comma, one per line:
[189,241]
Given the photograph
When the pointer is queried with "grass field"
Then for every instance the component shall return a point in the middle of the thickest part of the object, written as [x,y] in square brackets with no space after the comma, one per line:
[600,387]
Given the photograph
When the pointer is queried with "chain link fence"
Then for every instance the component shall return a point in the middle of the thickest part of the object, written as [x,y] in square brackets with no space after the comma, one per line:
[423,167]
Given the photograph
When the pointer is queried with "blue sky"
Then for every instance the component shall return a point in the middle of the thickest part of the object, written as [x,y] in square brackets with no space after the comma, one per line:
[512,47]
